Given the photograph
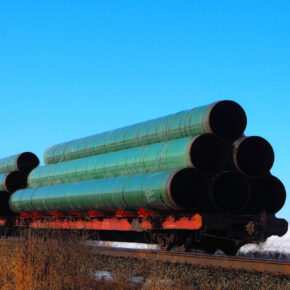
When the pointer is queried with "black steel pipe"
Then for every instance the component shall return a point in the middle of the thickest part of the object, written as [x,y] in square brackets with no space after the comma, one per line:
[252,156]
[225,118]
[230,192]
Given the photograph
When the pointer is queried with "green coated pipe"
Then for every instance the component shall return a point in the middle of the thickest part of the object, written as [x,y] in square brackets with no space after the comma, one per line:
[224,118]
[206,152]
[177,190]
[12,181]
[23,162]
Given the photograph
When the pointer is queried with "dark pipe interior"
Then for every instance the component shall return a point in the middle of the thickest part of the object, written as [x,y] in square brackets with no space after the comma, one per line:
[26,162]
[228,119]
[208,153]
[230,192]
[189,189]
[268,194]
[4,204]
[254,156]
[15,180]
[4,197]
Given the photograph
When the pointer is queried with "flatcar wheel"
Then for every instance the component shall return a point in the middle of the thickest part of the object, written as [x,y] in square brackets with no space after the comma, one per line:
[164,240]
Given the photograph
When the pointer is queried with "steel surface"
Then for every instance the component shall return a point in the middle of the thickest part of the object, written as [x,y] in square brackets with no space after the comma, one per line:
[186,188]
[205,152]
[238,263]
[225,118]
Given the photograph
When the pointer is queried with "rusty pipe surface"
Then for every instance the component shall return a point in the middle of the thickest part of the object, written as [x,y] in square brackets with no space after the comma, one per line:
[252,156]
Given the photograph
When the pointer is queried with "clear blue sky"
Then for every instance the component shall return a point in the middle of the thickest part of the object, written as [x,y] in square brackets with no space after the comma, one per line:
[69,69]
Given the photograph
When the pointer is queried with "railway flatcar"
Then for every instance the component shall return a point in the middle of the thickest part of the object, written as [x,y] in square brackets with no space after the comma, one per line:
[191,180]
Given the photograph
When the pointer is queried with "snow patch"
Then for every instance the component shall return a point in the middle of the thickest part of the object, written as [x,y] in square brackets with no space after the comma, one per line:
[105,275]
[124,245]
[273,244]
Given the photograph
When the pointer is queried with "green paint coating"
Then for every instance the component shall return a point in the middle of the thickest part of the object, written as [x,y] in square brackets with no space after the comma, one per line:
[2,182]
[8,164]
[158,157]
[183,124]
[148,191]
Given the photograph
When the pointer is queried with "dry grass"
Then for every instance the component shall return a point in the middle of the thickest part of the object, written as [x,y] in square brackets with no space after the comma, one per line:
[45,261]
[54,260]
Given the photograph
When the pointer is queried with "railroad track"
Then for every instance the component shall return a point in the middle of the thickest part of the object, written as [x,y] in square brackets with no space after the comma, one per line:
[274,267]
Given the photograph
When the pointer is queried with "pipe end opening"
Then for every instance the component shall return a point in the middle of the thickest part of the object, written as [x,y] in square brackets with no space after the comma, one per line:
[268,194]
[208,153]
[26,162]
[189,189]
[230,192]
[15,180]
[254,156]
[228,120]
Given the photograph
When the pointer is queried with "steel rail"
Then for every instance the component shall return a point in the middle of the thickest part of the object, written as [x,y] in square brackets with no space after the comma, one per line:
[274,267]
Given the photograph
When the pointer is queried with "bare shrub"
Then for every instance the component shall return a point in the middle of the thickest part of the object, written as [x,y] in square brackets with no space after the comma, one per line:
[45,260]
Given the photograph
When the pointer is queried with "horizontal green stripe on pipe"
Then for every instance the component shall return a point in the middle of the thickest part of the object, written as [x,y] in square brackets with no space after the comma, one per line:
[225,118]
[8,164]
[2,182]
[186,188]
[146,159]
[141,191]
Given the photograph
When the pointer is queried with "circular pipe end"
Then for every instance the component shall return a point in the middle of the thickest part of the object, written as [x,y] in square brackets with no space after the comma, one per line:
[188,189]
[268,194]
[26,162]
[253,156]
[227,119]
[230,192]
[15,180]
[208,153]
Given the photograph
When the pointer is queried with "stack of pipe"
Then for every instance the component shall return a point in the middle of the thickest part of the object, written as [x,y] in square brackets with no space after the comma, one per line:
[197,160]
[14,172]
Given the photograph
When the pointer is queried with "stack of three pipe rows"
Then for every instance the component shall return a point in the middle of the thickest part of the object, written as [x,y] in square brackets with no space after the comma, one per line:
[14,172]
[197,160]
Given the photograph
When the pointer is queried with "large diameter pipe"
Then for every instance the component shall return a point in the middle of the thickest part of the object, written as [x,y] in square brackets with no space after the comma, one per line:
[268,195]
[12,181]
[23,162]
[205,152]
[230,192]
[225,118]
[185,189]
[253,156]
